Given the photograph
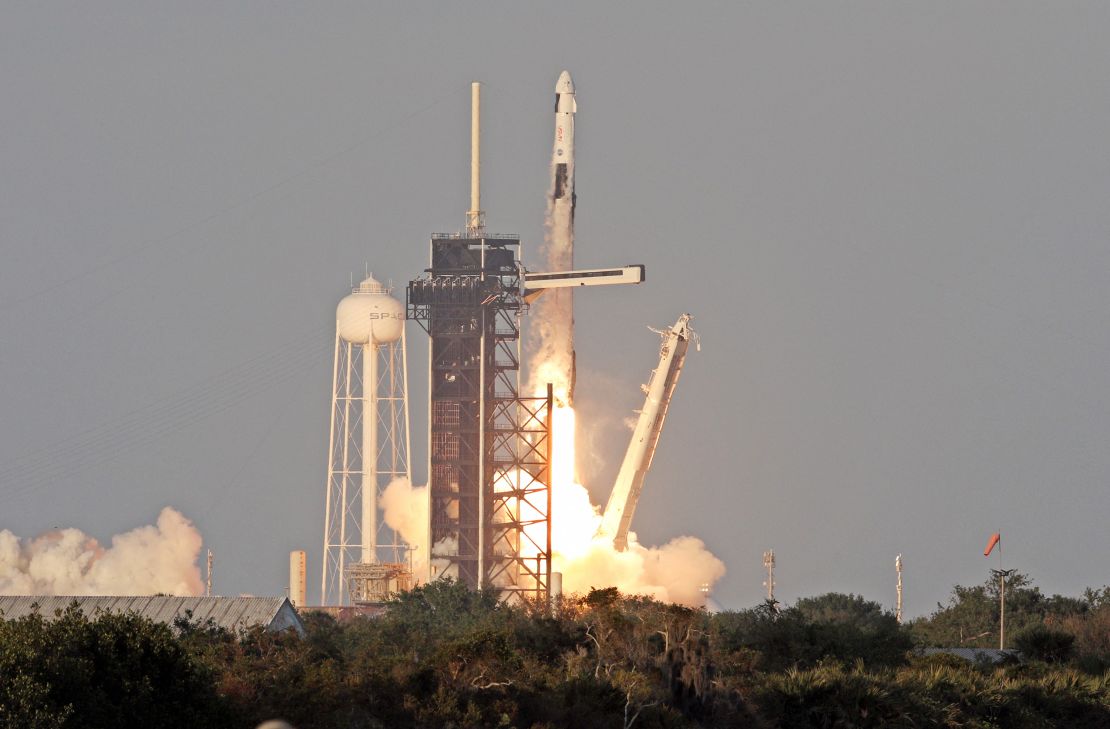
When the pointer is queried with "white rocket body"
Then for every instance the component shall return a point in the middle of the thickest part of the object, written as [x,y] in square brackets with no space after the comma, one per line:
[561,218]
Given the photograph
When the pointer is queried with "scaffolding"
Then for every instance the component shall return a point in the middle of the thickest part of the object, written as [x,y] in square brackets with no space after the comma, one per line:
[375,583]
[489,448]
[368,449]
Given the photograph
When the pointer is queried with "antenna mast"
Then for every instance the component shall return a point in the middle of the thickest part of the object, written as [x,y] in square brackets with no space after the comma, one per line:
[769,563]
[208,581]
[898,607]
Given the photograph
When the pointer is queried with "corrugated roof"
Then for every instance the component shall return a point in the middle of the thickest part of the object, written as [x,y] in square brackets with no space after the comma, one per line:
[232,613]
[975,655]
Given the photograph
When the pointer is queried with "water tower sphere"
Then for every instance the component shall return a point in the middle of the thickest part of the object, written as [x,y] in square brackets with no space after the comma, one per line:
[370,314]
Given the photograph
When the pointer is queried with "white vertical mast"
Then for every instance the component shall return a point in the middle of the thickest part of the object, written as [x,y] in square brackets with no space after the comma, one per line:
[898,608]
[475,218]
[370,483]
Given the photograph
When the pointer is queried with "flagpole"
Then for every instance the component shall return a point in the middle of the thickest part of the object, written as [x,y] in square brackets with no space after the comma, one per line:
[1001,598]
[996,541]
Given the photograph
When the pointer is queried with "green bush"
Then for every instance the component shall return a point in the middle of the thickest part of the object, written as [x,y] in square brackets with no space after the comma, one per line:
[110,671]
[445,656]
[1041,643]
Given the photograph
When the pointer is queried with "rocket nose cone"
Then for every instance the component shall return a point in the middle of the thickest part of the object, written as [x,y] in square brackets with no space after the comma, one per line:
[564,85]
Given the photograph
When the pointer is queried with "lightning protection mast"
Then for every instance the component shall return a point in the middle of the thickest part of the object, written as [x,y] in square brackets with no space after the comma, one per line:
[489,448]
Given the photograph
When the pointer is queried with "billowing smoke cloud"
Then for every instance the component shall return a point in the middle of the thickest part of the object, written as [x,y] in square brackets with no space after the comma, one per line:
[150,559]
[675,572]
[405,510]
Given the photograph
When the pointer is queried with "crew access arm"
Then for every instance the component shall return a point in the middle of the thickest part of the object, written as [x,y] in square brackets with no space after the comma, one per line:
[618,514]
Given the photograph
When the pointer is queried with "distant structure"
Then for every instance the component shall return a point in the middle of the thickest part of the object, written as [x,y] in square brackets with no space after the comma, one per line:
[231,613]
[368,447]
[297,583]
[898,606]
[975,655]
[208,577]
[769,565]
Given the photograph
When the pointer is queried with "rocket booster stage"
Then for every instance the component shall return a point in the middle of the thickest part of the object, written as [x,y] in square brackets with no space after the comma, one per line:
[560,243]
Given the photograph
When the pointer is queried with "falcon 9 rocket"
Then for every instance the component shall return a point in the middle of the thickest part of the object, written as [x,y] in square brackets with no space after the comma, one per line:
[557,311]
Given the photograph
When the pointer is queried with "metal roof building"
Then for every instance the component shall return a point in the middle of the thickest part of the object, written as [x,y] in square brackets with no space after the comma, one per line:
[233,613]
[975,655]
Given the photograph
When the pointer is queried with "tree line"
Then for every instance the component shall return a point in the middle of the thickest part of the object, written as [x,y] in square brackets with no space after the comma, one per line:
[446,656]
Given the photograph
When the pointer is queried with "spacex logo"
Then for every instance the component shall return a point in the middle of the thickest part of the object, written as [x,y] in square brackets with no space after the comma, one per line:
[384,315]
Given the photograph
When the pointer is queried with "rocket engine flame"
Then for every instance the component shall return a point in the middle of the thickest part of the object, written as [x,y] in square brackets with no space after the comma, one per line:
[674,572]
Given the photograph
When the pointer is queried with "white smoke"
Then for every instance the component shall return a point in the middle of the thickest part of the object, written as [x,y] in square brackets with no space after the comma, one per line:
[405,510]
[148,560]
[675,572]
[443,567]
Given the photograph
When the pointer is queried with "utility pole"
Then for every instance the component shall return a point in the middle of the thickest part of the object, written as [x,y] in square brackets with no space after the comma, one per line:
[1002,575]
[208,581]
[898,608]
[769,563]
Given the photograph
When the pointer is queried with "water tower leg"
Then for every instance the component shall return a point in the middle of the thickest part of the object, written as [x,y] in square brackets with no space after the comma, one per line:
[369,453]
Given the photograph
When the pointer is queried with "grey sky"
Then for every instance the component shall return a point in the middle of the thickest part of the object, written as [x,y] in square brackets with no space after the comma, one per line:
[890,223]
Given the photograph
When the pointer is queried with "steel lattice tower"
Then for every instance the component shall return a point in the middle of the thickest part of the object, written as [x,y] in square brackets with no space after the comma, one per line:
[489,448]
[368,448]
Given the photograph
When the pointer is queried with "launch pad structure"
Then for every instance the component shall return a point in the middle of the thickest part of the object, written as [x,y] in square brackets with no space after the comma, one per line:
[489,470]
[490,448]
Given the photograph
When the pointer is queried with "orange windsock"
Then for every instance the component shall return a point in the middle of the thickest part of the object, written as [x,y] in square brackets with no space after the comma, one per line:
[995,539]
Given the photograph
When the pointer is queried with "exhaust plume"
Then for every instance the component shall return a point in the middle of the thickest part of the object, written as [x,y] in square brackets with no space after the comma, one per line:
[160,558]
[405,509]
[674,572]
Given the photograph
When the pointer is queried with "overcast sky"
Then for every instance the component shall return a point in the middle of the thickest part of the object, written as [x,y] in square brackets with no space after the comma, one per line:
[891,224]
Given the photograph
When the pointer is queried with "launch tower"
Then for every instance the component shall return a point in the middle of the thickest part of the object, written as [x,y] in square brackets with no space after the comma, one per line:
[489,448]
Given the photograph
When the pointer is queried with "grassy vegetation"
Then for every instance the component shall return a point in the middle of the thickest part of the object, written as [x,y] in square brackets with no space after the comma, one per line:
[444,656]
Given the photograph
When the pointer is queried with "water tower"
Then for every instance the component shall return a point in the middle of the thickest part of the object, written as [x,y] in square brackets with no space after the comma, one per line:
[368,448]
